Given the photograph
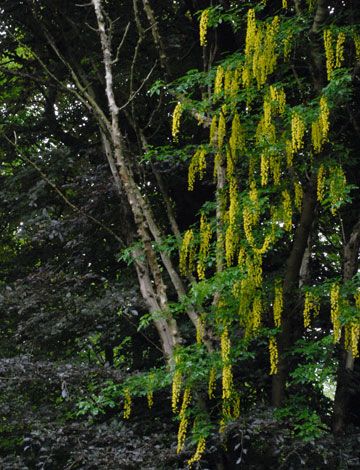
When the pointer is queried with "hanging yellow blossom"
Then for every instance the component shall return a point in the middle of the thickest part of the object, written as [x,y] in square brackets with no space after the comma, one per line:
[311,304]
[298,195]
[241,257]
[199,451]
[352,330]
[274,356]
[264,169]
[227,378]
[221,129]
[219,80]
[184,251]
[235,83]
[356,38]
[278,303]
[287,211]
[183,419]
[200,328]
[275,168]
[335,311]
[317,135]
[289,153]
[278,98]
[176,122]
[324,117]
[127,404]
[284,4]
[340,50]
[321,183]
[204,21]
[227,82]
[256,313]
[212,382]
[213,130]
[150,393]
[297,132]
[176,389]
[329,52]
[236,141]
[197,165]
[287,46]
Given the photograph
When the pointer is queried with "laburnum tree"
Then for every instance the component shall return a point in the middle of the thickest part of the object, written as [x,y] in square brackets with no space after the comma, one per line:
[254,259]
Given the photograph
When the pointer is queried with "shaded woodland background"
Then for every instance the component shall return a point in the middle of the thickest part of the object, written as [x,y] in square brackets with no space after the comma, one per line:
[95,303]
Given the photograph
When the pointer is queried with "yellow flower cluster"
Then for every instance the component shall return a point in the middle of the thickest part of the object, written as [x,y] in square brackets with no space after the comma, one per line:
[264,169]
[266,244]
[335,311]
[279,97]
[183,419]
[254,267]
[356,38]
[256,313]
[274,356]
[289,153]
[218,86]
[311,304]
[357,299]
[212,382]
[329,52]
[185,252]
[287,210]
[339,50]
[236,77]
[287,46]
[176,389]
[298,195]
[337,187]
[227,82]
[176,122]
[221,129]
[352,330]
[199,451]
[213,131]
[227,378]
[205,237]
[321,183]
[247,223]
[232,233]
[260,50]
[320,127]
[127,404]
[237,139]
[278,303]
[204,21]
[200,328]
[150,393]
[297,132]
[197,165]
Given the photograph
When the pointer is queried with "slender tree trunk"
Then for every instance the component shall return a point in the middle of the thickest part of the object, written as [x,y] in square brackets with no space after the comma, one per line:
[291,281]
[346,363]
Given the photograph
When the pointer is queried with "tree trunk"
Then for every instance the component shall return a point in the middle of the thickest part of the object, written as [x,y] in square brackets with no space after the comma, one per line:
[291,281]
[346,363]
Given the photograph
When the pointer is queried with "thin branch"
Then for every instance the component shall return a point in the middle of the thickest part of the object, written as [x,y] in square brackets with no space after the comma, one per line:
[140,87]
[121,43]
[60,193]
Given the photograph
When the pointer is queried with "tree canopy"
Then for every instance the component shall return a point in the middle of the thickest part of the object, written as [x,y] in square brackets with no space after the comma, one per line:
[179,225]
